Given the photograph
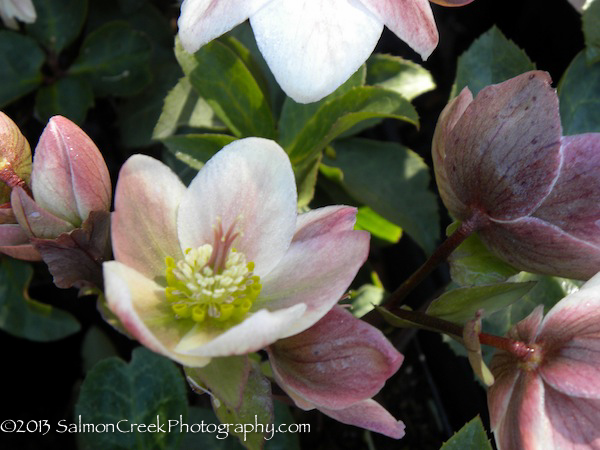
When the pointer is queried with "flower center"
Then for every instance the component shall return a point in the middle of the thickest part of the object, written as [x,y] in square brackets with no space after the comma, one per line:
[211,285]
[532,359]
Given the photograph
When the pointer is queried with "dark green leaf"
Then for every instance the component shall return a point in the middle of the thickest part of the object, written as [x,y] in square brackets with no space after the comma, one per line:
[129,6]
[470,437]
[149,390]
[222,78]
[579,97]
[58,22]
[196,149]
[20,62]
[96,346]
[398,74]
[591,31]
[491,59]
[24,317]
[394,182]
[70,97]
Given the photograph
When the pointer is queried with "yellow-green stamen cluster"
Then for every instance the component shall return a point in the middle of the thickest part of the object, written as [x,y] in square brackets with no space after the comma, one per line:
[197,291]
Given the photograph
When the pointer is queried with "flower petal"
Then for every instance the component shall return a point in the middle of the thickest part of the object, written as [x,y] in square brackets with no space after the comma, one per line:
[248,188]
[313,47]
[337,362]
[203,20]
[315,272]
[142,307]
[144,229]
[370,415]
[410,20]
[329,219]
[35,219]
[15,242]
[451,2]
[256,332]
[504,155]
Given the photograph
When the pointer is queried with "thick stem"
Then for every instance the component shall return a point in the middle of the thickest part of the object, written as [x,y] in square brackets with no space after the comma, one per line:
[475,222]
[9,177]
[517,348]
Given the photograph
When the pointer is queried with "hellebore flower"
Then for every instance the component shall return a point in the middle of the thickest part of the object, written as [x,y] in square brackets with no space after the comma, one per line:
[502,158]
[549,396]
[312,47]
[336,366]
[224,267]
[64,217]
[22,10]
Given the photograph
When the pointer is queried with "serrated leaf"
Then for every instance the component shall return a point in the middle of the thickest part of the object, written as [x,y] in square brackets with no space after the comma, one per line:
[196,149]
[393,181]
[149,390]
[491,59]
[342,113]
[579,97]
[398,74]
[23,317]
[369,220]
[470,437]
[116,59]
[591,31]
[21,61]
[222,78]
[70,97]
[58,22]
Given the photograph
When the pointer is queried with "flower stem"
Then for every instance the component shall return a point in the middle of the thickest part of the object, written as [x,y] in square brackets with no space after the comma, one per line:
[9,177]
[517,348]
[429,322]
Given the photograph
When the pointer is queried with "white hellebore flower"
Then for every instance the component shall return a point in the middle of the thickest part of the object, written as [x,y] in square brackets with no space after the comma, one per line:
[313,46]
[225,266]
[22,10]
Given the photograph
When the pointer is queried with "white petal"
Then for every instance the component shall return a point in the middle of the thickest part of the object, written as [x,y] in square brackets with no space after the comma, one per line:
[312,47]
[249,188]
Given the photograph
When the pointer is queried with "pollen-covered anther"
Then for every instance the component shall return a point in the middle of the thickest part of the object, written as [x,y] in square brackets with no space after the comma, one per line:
[218,296]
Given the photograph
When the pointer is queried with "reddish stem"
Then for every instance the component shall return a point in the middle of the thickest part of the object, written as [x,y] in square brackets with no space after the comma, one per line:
[9,177]
[517,348]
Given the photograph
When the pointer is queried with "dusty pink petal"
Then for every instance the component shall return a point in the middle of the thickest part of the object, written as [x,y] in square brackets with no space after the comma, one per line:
[7,215]
[316,272]
[144,224]
[448,118]
[536,246]
[503,155]
[69,177]
[506,373]
[35,219]
[247,188]
[568,206]
[15,242]
[203,20]
[370,415]
[528,329]
[452,2]
[329,219]
[337,362]
[142,307]
[260,329]
[410,20]
[312,47]
[592,283]
[26,252]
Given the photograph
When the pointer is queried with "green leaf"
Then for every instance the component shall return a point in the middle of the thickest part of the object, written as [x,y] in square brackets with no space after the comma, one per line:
[306,180]
[96,346]
[58,22]
[222,78]
[70,97]
[342,113]
[398,74]
[393,181]
[196,149]
[20,63]
[149,390]
[460,305]
[116,59]
[491,59]
[470,437]
[24,317]
[219,439]
[591,31]
[579,97]
[367,219]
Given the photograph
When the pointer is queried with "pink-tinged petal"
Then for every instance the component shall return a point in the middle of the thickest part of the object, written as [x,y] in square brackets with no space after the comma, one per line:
[592,283]
[7,215]
[329,219]
[339,361]
[69,177]
[203,20]
[504,155]
[579,5]
[144,224]
[370,415]
[410,20]
[15,242]
[568,206]
[256,332]
[451,3]
[448,118]
[536,246]
[247,188]
[528,329]
[506,373]
[35,219]
[143,309]
[313,47]
[26,252]
[315,272]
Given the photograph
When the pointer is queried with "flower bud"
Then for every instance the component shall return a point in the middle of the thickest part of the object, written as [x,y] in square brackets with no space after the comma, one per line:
[15,157]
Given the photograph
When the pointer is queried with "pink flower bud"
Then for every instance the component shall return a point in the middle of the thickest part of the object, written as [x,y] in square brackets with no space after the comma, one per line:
[501,156]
